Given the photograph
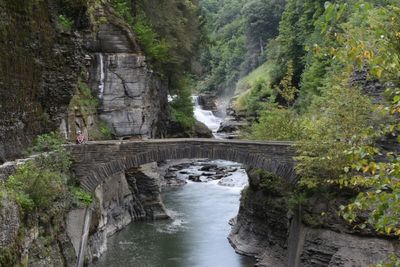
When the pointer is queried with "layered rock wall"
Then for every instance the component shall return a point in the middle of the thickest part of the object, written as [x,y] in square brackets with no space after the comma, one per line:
[39,66]
[264,229]
[132,98]
[124,198]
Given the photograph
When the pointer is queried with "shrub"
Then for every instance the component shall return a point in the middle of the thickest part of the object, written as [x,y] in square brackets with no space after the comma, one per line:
[277,124]
[80,196]
[47,142]
[65,22]
[34,187]
[182,106]
[343,118]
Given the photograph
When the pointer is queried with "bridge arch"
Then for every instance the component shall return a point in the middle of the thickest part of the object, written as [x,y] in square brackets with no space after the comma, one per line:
[94,162]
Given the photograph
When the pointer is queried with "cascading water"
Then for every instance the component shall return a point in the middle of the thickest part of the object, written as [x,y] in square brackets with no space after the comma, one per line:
[102,76]
[207,117]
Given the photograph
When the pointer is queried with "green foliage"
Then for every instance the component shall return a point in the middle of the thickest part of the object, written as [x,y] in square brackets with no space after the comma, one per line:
[269,183]
[285,88]
[48,142]
[255,99]
[100,131]
[8,256]
[248,82]
[39,184]
[34,187]
[341,119]
[277,124]
[81,196]
[153,45]
[392,261]
[105,130]
[370,38]
[83,101]
[124,9]
[237,32]
[65,22]
[181,106]
[167,33]
[295,27]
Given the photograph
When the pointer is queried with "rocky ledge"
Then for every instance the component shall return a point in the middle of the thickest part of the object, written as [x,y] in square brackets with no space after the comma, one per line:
[269,228]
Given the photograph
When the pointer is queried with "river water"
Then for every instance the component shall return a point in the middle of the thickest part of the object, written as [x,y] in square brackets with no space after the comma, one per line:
[196,236]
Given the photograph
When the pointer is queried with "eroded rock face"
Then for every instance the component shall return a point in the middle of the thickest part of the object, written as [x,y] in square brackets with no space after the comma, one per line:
[327,248]
[261,227]
[133,99]
[39,67]
[122,199]
[9,222]
[264,229]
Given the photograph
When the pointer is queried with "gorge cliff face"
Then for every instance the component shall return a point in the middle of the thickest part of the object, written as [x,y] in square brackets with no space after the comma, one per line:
[277,233]
[122,199]
[42,68]
[132,97]
[43,64]
[39,68]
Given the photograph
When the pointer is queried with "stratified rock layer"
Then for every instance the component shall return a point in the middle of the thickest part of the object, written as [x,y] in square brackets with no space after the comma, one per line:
[133,99]
[264,229]
[39,66]
[123,198]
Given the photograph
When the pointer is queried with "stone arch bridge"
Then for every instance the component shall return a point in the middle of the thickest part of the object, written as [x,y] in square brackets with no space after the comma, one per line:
[95,161]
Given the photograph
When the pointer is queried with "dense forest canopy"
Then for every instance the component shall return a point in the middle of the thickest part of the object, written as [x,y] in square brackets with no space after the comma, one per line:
[237,32]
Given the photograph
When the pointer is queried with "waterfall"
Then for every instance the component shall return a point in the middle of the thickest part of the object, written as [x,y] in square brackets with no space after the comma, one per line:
[206,116]
[101,85]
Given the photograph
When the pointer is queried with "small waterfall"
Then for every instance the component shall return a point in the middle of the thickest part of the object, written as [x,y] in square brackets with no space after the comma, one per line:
[206,116]
[101,85]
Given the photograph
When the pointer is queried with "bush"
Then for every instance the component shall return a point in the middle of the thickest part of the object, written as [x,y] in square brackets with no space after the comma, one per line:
[277,124]
[47,142]
[65,22]
[80,196]
[154,46]
[343,118]
[84,101]
[34,187]
[182,106]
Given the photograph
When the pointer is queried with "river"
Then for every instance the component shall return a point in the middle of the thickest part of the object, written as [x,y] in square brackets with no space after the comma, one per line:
[196,236]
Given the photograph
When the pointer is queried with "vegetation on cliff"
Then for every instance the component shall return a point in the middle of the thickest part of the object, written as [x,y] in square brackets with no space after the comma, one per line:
[235,36]
[330,81]
[44,192]
[169,34]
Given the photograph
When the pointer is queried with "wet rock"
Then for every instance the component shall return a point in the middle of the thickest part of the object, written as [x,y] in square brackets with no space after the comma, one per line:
[170,175]
[231,126]
[208,167]
[231,169]
[262,230]
[39,75]
[195,178]
[217,176]
[207,102]
[201,130]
